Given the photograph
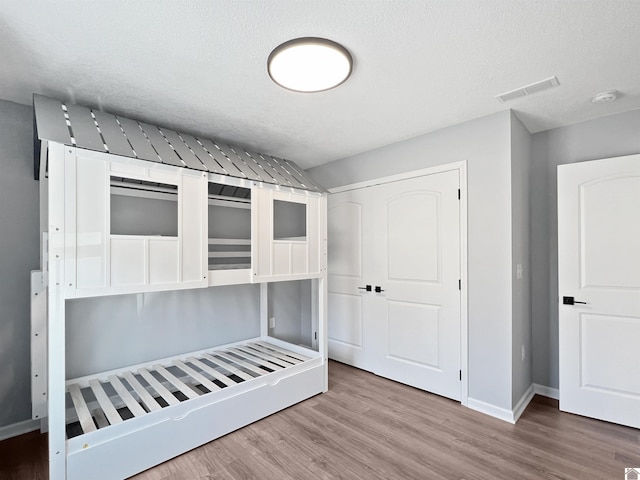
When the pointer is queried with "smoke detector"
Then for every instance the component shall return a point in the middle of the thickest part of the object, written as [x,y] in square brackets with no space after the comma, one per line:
[606,97]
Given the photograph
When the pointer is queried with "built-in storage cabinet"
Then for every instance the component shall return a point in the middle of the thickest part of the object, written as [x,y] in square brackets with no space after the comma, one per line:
[132,226]
[289,225]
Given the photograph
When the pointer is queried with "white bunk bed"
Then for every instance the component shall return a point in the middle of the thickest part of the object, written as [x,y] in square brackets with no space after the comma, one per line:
[226,217]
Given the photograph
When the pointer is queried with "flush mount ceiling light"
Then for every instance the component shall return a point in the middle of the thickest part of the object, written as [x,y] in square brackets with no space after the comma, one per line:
[309,64]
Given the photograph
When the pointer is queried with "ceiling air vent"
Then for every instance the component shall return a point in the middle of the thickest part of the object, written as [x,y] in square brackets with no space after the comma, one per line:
[528,89]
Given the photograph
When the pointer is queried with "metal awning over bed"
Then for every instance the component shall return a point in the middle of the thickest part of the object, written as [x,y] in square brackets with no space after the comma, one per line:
[83,127]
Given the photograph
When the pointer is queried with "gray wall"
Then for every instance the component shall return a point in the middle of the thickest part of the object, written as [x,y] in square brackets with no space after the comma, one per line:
[486,144]
[290,305]
[522,376]
[612,136]
[104,333]
[19,254]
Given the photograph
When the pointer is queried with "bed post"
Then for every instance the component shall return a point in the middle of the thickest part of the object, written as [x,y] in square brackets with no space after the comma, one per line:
[56,316]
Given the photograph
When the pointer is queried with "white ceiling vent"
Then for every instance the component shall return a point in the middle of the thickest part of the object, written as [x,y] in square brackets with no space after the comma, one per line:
[528,89]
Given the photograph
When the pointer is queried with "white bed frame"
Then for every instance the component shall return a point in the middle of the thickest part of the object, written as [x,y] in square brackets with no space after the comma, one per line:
[114,424]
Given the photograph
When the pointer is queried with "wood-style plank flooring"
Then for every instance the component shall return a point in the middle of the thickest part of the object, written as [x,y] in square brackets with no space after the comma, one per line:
[367,427]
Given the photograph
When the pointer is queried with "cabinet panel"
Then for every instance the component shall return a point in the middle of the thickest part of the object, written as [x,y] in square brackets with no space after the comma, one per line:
[92,194]
[163,261]
[128,261]
[299,258]
[290,235]
[193,218]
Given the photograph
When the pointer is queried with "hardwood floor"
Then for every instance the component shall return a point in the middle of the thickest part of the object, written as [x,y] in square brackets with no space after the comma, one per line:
[367,427]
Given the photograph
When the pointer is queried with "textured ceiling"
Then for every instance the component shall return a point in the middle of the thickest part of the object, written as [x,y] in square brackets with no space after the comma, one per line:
[200,66]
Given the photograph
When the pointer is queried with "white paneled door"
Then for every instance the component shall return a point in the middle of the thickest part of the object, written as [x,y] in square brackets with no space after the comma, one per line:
[599,288]
[394,271]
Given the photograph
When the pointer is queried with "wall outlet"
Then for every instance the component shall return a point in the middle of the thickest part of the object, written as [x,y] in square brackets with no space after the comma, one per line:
[272,322]
[519,271]
[523,353]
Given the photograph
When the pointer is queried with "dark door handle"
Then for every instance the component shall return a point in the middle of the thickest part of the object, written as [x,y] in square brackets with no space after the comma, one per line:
[379,289]
[367,288]
[571,301]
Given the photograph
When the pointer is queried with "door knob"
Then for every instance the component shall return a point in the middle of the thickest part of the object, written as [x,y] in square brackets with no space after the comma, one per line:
[571,301]
[379,289]
[367,288]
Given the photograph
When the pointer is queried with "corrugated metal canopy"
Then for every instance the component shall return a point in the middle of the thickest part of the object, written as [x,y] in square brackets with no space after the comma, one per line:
[83,127]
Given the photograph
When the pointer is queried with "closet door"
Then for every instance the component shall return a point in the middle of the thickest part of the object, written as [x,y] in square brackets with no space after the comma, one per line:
[349,219]
[417,265]
[403,239]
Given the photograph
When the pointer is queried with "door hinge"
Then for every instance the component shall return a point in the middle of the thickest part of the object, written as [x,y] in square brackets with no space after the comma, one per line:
[458,194]
[460,375]
[460,285]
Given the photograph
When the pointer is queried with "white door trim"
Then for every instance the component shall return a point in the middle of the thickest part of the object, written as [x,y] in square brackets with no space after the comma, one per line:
[461,167]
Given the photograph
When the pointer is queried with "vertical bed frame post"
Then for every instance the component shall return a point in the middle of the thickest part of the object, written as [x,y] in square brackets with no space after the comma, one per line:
[323,312]
[56,319]
[264,310]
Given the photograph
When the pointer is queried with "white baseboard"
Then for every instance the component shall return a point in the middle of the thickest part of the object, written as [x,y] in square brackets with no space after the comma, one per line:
[523,402]
[19,428]
[507,415]
[546,391]
[492,410]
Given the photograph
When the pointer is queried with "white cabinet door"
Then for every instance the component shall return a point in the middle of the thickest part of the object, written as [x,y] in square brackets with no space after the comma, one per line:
[403,239]
[599,288]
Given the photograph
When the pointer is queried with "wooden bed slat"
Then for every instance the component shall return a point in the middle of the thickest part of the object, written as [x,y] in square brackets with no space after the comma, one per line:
[101,420]
[133,406]
[230,266]
[84,416]
[274,354]
[164,393]
[282,350]
[150,402]
[241,254]
[241,362]
[266,356]
[225,366]
[107,407]
[229,241]
[254,357]
[211,371]
[208,384]
[176,382]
